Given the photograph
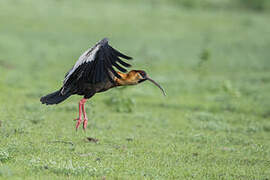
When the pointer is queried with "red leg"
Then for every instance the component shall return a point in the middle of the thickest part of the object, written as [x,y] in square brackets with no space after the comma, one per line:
[85,120]
[80,116]
[82,109]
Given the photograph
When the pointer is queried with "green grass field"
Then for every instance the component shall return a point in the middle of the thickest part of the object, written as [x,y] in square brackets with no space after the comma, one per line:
[214,64]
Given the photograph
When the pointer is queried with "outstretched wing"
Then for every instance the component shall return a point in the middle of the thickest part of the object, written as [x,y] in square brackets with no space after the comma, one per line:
[96,64]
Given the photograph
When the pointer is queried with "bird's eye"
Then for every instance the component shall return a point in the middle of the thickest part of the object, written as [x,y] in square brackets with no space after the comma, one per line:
[143,74]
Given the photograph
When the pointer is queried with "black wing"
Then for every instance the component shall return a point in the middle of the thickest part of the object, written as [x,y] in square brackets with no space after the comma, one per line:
[96,64]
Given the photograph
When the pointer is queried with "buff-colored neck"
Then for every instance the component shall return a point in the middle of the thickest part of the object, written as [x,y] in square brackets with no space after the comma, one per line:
[131,78]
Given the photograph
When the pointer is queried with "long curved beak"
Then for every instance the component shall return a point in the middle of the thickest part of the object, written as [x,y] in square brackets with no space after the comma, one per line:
[148,78]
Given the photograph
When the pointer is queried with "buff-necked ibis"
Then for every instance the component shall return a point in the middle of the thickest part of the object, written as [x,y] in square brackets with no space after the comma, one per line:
[93,73]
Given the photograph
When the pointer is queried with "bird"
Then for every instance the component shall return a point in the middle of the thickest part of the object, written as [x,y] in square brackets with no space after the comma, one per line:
[94,72]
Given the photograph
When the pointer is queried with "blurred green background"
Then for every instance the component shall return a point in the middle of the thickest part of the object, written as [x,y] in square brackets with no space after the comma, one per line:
[211,57]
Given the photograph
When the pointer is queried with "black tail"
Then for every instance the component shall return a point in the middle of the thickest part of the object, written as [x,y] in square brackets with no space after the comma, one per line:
[54,98]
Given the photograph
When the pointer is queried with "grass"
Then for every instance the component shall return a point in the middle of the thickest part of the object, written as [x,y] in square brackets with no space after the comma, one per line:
[214,65]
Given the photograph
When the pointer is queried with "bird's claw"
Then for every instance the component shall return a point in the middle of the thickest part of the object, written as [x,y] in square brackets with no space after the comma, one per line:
[78,123]
[85,121]
[79,120]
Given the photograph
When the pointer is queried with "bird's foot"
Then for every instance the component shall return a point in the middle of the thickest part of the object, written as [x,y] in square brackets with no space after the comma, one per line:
[85,121]
[79,120]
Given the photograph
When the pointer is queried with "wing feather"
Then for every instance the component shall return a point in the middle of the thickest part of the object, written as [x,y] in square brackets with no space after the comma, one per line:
[117,53]
[122,62]
[118,67]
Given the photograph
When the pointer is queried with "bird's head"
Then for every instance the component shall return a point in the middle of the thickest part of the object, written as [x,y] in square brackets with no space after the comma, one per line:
[139,76]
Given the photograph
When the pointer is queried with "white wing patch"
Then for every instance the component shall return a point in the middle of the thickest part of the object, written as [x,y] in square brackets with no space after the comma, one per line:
[87,56]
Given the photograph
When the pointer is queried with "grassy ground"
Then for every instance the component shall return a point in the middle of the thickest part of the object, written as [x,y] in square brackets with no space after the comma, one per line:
[214,65]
